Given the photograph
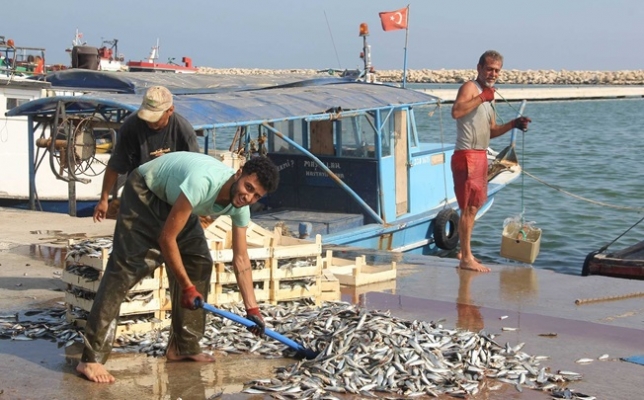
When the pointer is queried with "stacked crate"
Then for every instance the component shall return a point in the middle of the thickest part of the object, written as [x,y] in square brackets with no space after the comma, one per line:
[296,269]
[143,309]
[223,283]
[284,268]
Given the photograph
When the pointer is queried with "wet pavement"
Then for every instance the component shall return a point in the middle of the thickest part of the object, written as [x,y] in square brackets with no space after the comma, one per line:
[538,305]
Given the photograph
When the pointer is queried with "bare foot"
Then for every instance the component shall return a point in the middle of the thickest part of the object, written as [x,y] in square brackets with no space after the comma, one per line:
[95,372]
[459,256]
[203,357]
[473,265]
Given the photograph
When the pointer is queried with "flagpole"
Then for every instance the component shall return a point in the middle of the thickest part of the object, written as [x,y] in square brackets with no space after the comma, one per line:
[406,39]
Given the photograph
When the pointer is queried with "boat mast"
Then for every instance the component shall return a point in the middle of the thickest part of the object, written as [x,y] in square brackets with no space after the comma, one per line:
[154,53]
[367,73]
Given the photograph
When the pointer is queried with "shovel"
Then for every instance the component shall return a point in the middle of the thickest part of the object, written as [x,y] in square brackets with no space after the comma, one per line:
[302,352]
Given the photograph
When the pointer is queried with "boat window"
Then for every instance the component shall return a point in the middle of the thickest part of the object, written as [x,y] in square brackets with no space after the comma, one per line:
[13,102]
[290,129]
[412,126]
[358,136]
[388,131]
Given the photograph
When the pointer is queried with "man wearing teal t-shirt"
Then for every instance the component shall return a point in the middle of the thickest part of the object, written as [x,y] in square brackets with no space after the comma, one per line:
[159,222]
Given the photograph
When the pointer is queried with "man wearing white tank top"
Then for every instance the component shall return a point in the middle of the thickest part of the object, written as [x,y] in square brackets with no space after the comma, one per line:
[475,126]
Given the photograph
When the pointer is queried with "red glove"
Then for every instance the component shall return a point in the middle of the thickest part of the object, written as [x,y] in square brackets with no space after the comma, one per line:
[189,297]
[522,123]
[252,314]
[487,94]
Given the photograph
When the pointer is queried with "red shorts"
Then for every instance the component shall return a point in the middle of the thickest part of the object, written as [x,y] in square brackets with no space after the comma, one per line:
[469,169]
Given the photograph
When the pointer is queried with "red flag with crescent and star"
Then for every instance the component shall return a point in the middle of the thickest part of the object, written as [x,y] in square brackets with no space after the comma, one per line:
[392,20]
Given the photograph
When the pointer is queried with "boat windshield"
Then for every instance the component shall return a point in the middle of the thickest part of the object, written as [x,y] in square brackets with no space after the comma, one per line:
[351,136]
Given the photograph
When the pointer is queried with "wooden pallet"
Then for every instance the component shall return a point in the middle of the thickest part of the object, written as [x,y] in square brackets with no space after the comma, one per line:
[357,272]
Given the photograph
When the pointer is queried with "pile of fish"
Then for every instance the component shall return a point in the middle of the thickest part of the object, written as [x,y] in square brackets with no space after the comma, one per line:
[89,247]
[362,352]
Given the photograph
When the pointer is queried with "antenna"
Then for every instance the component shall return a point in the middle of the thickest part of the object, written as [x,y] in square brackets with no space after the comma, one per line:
[332,41]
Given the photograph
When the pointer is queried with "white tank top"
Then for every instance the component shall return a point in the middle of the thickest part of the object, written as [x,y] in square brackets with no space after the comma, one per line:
[473,129]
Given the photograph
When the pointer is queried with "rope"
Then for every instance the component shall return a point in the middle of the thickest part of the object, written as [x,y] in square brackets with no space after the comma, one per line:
[608,298]
[583,198]
[440,119]
[522,179]
[507,102]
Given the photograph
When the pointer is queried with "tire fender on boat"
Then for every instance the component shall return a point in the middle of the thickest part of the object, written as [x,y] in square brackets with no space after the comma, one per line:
[446,229]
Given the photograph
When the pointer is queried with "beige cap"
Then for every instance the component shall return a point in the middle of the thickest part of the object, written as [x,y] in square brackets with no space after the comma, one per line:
[155,102]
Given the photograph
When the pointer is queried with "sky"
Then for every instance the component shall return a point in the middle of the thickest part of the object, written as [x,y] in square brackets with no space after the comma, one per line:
[318,34]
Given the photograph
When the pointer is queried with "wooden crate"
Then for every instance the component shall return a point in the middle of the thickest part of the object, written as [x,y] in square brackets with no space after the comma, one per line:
[329,287]
[151,283]
[357,272]
[221,231]
[222,276]
[98,263]
[127,307]
[217,295]
[124,328]
[278,294]
[306,270]
[289,247]
[226,255]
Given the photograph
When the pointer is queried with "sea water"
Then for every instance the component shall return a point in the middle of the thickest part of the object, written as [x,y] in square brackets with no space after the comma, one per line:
[587,156]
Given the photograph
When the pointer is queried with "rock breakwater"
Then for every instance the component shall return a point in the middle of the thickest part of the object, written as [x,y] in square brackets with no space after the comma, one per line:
[512,76]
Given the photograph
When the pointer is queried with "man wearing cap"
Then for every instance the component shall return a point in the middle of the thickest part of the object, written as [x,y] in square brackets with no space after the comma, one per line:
[155,129]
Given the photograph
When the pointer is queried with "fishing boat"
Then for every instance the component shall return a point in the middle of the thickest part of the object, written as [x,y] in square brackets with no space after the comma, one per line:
[104,58]
[20,61]
[152,65]
[362,164]
[626,263]
[357,164]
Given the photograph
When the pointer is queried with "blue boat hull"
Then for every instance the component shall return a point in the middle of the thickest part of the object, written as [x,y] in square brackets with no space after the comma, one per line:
[83,208]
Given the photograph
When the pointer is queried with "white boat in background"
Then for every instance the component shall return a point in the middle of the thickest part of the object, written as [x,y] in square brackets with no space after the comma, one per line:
[104,58]
[56,167]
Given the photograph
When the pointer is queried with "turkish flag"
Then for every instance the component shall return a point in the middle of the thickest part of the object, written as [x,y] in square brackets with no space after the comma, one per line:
[392,20]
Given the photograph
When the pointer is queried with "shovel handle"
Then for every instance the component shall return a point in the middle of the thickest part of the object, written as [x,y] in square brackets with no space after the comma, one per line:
[248,324]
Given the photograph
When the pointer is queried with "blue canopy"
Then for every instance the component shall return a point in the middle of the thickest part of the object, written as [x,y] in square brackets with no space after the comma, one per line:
[214,110]
[139,82]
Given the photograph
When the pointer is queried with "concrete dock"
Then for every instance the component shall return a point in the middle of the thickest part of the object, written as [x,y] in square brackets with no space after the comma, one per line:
[539,304]
[551,93]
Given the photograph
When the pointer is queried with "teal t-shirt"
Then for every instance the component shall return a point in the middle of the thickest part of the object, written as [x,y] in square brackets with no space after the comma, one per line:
[199,177]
